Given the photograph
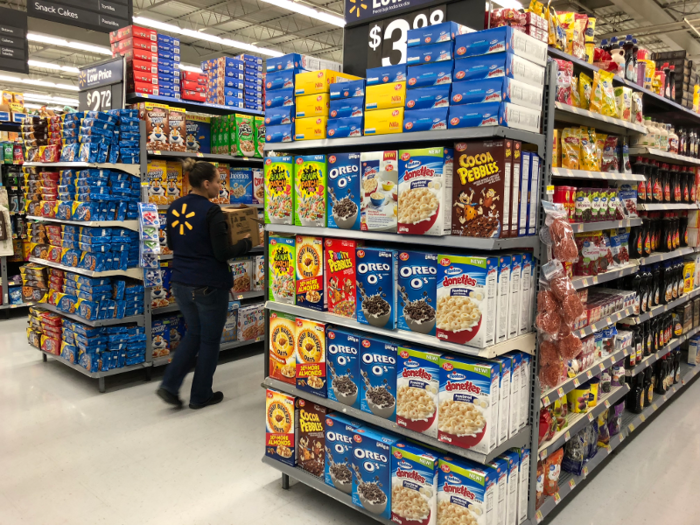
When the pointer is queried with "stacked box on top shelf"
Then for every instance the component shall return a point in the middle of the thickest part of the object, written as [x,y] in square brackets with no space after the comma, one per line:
[168,66]
[225,81]
[280,111]
[139,45]
[346,109]
[252,82]
[384,100]
[193,86]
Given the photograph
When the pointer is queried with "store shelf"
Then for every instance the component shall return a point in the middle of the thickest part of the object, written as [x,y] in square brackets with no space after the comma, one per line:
[139,319]
[524,343]
[662,308]
[447,242]
[653,358]
[133,169]
[642,206]
[237,297]
[598,175]
[665,156]
[604,323]
[658,257]
[97,375]
[583,117]
[134,273]
[13,306]
[521,439]
[129,225]
[166,309]
[189,105]
[578,422]
[580,227]
[10,126]
[165,257]
[164,360]
[585,282]
[242,296]
[204,156]
[260,206]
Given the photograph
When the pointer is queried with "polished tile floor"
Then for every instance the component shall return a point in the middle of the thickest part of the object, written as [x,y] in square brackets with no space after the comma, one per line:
[70,455]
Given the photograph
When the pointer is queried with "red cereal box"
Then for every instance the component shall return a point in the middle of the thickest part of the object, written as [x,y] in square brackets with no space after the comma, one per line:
[339,256]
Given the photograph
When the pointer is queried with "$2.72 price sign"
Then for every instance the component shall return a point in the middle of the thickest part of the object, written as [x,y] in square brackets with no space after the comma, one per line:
[387,38]
[99,99]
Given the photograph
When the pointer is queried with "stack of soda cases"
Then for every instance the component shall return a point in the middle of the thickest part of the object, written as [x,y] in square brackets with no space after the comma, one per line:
[252,82]
[168,66]
[193,86]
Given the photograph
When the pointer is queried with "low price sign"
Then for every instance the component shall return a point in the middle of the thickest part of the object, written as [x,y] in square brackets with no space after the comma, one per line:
[102,86]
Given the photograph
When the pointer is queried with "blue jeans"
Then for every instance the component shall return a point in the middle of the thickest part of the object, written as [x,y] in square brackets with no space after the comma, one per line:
[205,311]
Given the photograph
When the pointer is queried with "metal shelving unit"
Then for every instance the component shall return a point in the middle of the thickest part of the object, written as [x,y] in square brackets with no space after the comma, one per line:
[134,273]
[583,117]
[580,227]
[229,345]
[204,156]
[238,297]
[584,282]
[133,169]
[603,323]
[658,257]
[189,105]
[598,175]
[666,207]
[129,225]
[653,358]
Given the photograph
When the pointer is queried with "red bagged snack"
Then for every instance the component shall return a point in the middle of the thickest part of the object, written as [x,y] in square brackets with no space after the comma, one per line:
[546,302]
[548,353]
[551,374]
[565,70]
[570,346]
[563,245]
[548,322]
[561,287]
[572,306]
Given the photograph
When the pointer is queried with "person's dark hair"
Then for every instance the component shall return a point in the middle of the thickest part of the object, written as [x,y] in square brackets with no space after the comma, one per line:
[199,171]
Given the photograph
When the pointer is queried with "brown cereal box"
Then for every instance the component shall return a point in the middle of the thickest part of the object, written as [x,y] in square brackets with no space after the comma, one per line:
[157,126]
[156,175]
[280,427]
[310,351]
[178,129]
[310,436]
[173,181]
[282,347]
[225,178]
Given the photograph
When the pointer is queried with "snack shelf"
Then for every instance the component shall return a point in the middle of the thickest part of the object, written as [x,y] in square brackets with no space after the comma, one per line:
[666,156]
[240,296]
[129,225]
[585,282]
[524,343]
[642,206]
[658,257]
[447,242]
[560,391]
[521,439]
[580,227]
[10,126]
[583,117]
[13,306]
[166,309]
[166,206]
[578,422]
[98,375]
[165,257]
[138,319]
[598,175]
[164,360]
[190,105]
[662,308]
[133,169]
[203,156]
[604,323]
[134,273]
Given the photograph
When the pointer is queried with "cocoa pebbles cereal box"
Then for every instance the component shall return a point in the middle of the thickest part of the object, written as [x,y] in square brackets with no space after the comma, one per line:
[417,292]
[482,188]
[311,356]
[340,277]
[343,358]
[344,197]
[417,386]
[379,177]
[310,190]
[279,195]
[466,299]
[376,287]
[309,272]
[279,427]
[310,430]
[282,253]
[425,191]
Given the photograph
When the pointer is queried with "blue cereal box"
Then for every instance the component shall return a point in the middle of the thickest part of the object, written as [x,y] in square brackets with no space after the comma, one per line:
[339,128]
[283,133]
[425,120]
[414,481]
[428,75]
[376,287]
[428,98]
[475,115]
[198,138]
[343,357]
[435,33]
[500,39]
[468,285]
[241,186]
[417,290]
[371,465]
[340,431]
[347,107]
[430,53]
[386,75]
[469,403]
[353,88]
[280,115]
[467,488]
[280,97]
[378,371]
[417,387]
[344,191]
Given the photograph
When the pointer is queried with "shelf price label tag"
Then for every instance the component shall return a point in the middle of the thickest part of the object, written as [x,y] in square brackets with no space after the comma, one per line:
[572,483]
[585,282]
[156,152]
[654,407]
[200,155]
[538,516]
[601,366]
[577,383]
[607,404]
[631,427]
[560,391]
[642,417]
[567,436]
[550,190]
[557,498]
[590,416]
[589,374]
[543,454]
[545,401]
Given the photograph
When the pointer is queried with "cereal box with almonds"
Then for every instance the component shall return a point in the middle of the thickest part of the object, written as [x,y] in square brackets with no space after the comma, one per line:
[466,492]
[310,190]
[241,186]
[417,386]
[242,270]
[376,287]
[466,299]
[310,350]
[340,430]
[281,273]
[279,194]
[343,358]
[340,276]
[311,437]
[468,403]
[283,364]
[258,272]
[309,272]
[425,191]
[280,427]
[379,187]
[414,480]
[371,466]
[251,322]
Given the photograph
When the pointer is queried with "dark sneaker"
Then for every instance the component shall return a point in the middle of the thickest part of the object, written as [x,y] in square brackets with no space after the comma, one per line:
[169,398]
[216,397]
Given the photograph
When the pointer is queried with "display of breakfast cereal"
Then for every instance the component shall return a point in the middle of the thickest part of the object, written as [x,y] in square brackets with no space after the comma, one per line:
[344,196]
[241,181]
[282,254]
[259,136]
[378,372]
[230,332]
[466,492]
[417,385]
[417,291]
[258,272]
[340,430]
[310,190]
[343,359]
[371,481]
[279,197]
[379,180]
[310,351]
[279,427]
[283,365]
[163,232]
[425,191]
[309,272]
[177,129]
[157,126]
[244,128]
[414,483]
[251,322]
[311,437]
[173,189]
[376,271]
[258,186]
[225,179]
[156,176]
[242,270]
[340,276]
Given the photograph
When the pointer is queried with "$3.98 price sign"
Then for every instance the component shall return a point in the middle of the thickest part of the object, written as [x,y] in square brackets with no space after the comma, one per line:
[387,38]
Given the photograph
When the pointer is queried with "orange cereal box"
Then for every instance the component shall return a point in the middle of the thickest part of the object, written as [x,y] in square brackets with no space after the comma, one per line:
[340,276]
[282,347]
[279,427]
[309,272]
[311,356]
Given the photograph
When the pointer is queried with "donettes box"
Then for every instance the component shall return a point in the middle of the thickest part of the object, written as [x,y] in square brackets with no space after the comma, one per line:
[414,482]
[467,488]
[340,277]
[279,427]
[417,386]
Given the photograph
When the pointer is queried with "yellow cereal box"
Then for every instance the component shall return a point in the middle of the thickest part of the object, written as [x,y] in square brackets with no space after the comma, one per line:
[281,270]
[156,175]
[384,96]
[282,347]
[313,105]
[310,353]
[309,272]
[173,181]
[320,81]
[313,128]
[383,121]
[279,427]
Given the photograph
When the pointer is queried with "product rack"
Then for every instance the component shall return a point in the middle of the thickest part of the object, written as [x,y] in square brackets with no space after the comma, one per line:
[612,275]
[583,117]
[662,308]
[650,206]
[598,175]
[603,323]
[134,273]
[665,156]
[5,288]
[189,105]
[132,169]
[214,157]
[661,256]
[580,227]
[129,225]
[653,358]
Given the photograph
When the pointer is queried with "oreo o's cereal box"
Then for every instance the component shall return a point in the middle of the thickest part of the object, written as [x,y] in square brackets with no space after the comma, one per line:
[343,357]
[466,492]
[376,293]
[378,371]
[413,485]
[344,197]
[371,465]
[417,386]
[339,442]
[417,292]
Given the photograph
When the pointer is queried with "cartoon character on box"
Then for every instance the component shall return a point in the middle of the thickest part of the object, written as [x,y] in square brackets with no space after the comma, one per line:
[157,137]
[176,139]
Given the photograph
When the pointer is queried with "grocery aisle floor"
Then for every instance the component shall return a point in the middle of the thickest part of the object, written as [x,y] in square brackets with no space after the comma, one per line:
[71,455]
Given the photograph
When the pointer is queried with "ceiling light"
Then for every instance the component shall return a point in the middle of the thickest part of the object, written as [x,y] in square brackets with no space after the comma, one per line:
[193,69]
[204,36]
[47,65]
[308,11]
[44,39]
[50,99]
[41,83]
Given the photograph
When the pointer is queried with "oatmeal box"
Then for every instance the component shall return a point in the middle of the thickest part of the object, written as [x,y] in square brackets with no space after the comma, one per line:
[340,276]
[279,427]
[310,422]
[283,364]
[379,181]
[340,430]
[279,197]
[344,198]
[310,352]
[414,481]
[466,299]
[282,253]
[466,492]
[376,287]
[417,385]
[310,190]
[309,272]
[482,188]
[343,358]
[371,466]
[417,292]
[378,371]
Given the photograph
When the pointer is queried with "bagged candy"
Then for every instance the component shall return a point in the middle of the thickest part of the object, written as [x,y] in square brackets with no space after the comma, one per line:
[585,86]
[575,93]
[571,148]
[565,70]
[589,157]
[553,469]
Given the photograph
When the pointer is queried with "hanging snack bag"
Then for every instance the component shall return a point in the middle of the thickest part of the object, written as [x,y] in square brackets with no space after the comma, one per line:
[570,148]
[585,86]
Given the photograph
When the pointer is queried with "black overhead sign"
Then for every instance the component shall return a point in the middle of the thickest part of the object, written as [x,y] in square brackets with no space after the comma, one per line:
[14,47]
[99,15]
[109,72]
[361,10]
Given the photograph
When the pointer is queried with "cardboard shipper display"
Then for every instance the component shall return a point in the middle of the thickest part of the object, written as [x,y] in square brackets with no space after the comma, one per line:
[243,220]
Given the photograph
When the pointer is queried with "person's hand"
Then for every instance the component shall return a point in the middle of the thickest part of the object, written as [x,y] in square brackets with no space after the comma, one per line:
[246,236]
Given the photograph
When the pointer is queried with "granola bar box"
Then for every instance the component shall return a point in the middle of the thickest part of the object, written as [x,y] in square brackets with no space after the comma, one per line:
[282,253]
[309,272]
[310,190]
[279,194]
[310,420]
[344,197]
[343,361]
[310,351]
[371,465]
[279,427]
[417,385]
[378,372]
[416,291]
[340,430]
[376,287]
[340,276]
[482,188]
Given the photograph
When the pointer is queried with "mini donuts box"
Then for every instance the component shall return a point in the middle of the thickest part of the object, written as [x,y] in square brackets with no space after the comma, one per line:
[310,353]
[343,361]
[376,287]
[416,292]
[340,430]
[414,479]
[371,465]
[417,386]
[310,434]
[468,403]
[378,377]
[472,487]
[280,427]
[309,272]
[482,188]
[344,197]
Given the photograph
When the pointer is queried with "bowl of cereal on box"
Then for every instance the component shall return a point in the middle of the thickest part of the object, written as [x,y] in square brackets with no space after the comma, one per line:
[416,405]
[345,213]
[345,389]
[418,210]
[388,185]
[341,476]
[461,422]
[376,310]
[381,402]
[419,316]
[372,497]
[377,198]
[458,318]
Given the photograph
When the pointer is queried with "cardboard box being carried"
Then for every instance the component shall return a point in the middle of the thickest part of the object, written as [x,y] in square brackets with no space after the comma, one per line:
[242,221]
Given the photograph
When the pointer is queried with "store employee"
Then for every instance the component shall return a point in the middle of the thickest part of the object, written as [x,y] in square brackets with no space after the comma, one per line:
[198,235]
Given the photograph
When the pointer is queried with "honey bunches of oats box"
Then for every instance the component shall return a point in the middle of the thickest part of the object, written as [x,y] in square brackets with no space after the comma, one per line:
[310,190]
[344,197]
[376,287]
[282,355]
[282,253]
[279,427]
[309,272]
[310,352]
[279,195]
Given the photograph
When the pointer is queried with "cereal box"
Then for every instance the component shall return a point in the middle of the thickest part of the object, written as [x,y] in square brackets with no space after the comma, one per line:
[310,420]
[340,430]
[513,481]
[282,254]
[198,138]
[340,276]
[244,130]
[279,198]
[417,291]
[160,334]
[481,192]
[231,325]
[344,197]
[258,186]
[178,129]
[378,371]
[466,299]
[156,175]
[504,267]
[417,384]
[157,126]
[242,270]
[259,134]
[425,191]
[526,292]
[279,427]
[376,287]
[514,307]
[309,272]
[379,178]
[414,481]
[310,350]
[524,389]
[162,232]
[371,466]
[173,189]
[466,492]
[343,359]
[468,402]
[516,385]
[241,186]
[283,364]
[258,272]
[310,190]
[504,401]
[224,178]
[523,483]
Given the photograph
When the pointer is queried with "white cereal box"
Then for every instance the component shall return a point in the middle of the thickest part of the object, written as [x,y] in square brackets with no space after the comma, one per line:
[425,191]
[379,189]
[525,325]
[516,272]
[516,379]
[466,493]
[414,479]
[258,272]
[499,468]
[504,399]
[504,264]
[524,389]
[251,322]
[242,270]
[417,386]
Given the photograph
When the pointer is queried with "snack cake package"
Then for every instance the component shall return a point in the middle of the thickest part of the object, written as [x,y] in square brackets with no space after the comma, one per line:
[434,34]
[343,358]
[279,427]
[427,75]
[500,39]
[430,53]
[282,79]
[344,197]
[498,89]
[379,178]
[376,287]
[384,121]
[309,272]
[282,254]
[414,484]
[371,465]
[340,430]
[345,127]
[504,64]
[425,120]
[425,191]
[310,128]
[428,98]
[378,371]
[280,133]
[310,352]
[347,107]
[312,105]
[279,197]
[282,356]
[417,386]
[417,291]
[310,190]
[339,255]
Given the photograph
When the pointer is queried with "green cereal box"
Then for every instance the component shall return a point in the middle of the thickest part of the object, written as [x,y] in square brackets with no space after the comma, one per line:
[214,130]
[279,197]
[231,147]
[259,136]
[310,190]
[245,135]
